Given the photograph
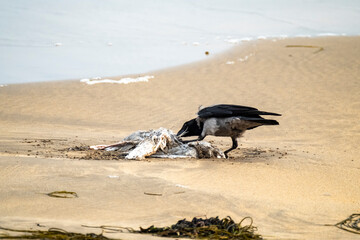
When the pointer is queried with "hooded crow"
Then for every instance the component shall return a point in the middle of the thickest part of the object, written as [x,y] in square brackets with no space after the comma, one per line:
[225,120]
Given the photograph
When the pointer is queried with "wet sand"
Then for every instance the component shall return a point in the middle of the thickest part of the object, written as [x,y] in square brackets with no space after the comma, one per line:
[291,179]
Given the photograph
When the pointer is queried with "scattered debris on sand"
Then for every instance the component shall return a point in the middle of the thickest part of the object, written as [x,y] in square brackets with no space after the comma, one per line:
[80,149]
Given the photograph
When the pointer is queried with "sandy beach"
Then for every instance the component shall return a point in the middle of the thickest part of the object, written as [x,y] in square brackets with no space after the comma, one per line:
[292,179]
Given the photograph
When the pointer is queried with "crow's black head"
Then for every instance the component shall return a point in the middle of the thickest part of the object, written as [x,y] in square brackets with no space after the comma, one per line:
[190,128]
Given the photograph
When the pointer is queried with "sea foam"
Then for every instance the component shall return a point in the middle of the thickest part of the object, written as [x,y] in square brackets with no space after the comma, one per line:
[127,80]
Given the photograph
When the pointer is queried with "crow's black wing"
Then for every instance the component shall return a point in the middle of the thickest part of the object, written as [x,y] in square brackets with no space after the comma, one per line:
[226,110]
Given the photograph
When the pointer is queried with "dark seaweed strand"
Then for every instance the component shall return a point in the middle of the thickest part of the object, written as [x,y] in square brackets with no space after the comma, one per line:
[351,224]
[210,228]
[112,229]
[51,233]
[63,194]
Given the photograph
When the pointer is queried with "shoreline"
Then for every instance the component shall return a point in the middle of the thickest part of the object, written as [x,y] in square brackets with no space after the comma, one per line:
[82,46]
[291,179]
[241,43]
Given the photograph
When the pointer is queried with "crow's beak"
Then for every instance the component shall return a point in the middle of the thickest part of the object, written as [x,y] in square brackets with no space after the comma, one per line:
[181,132]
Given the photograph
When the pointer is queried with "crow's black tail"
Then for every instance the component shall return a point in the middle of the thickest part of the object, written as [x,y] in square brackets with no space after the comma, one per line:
[268,122]
[268,113]
[261,120]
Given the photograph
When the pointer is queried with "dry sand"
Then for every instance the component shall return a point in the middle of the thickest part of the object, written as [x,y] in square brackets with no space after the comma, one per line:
[291,179]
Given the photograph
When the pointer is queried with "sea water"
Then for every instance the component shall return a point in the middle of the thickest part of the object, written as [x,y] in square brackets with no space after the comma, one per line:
[44,40]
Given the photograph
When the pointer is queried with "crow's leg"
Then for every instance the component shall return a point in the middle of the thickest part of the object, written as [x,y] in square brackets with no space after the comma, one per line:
[234,145]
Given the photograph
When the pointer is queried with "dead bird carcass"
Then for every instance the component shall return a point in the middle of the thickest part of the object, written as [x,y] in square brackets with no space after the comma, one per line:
[160,143]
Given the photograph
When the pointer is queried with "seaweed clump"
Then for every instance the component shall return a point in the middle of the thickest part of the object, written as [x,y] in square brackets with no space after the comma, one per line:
[351,224]
[209,228]
[51,233]
[63,194]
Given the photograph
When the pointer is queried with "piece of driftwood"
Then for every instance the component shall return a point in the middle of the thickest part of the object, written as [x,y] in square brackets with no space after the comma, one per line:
[307,46]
